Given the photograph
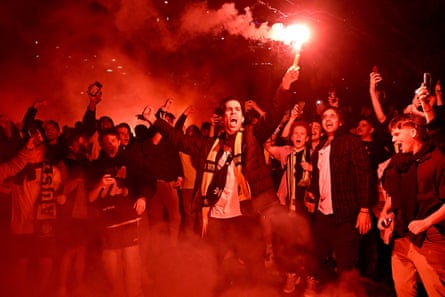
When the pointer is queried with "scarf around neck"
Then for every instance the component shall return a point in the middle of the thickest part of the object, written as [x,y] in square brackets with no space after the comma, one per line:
[400,181]
[211,191]
[291,175]
[45,219]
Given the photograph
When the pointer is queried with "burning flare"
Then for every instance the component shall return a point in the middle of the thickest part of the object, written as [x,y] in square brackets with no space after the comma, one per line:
[294,35]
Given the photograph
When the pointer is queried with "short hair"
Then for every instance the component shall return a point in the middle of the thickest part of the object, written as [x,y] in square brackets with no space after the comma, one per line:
[73,137]
[195,130]
[106,132]
[105,119]
[336,110]
[299,124]
[369,120]
[314,120]
[124,125]
[141,131]
[205,126]
[409,120]
[222,104]
[51,123]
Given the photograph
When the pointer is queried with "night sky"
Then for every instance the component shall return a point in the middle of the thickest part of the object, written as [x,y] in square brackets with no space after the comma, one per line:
[198,52]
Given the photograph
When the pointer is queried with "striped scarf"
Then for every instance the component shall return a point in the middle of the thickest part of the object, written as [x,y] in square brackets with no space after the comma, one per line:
[45,218]
[292,184]
[210,168]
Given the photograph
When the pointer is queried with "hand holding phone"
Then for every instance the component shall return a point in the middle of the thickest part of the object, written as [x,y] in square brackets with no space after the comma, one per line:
[94,89]
[36,136]
[427,82]
[375,75]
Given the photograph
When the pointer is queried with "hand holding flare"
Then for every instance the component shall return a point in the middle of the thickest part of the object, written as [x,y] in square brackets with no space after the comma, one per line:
[295,35]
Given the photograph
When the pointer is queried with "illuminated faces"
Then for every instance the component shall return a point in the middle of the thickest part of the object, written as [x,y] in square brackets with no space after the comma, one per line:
[233,116]
[364,129]
[110,144]
[51,132]
[330,120]
[124,135]
[299,137]
[79,147]
[404,139]
[316,131]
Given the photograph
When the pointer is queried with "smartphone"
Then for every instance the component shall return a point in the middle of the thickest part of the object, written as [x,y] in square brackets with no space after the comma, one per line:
[427,84]
[427,81]
[94,89]
[37,137]
[379,85]
[32,132]
[218,111]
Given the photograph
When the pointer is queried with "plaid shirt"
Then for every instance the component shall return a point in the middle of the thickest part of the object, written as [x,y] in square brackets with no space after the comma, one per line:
[350,176]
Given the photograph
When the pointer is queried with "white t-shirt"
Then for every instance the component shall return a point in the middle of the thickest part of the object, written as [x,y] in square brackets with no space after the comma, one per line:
[324,181]
[228,205]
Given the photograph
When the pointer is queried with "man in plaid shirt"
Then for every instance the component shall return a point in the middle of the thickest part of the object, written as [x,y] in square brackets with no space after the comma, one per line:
[341,187]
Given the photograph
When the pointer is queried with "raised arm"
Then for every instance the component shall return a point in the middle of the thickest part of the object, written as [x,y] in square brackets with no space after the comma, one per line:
[89,118]
[374,79]
[252,105]
[295,113]
[181,121]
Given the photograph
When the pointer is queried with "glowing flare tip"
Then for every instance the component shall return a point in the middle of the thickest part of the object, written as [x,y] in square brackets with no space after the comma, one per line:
[294,35]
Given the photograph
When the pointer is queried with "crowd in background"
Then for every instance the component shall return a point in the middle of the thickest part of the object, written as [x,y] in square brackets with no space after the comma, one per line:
[127,195]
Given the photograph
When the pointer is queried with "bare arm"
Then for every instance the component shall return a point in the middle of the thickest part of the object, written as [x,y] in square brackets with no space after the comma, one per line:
[294,114]
[251,104]
[375,78]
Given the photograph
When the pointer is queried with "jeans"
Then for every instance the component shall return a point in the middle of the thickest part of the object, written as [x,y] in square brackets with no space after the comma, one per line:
[123,269]
[166,197]
[427,262]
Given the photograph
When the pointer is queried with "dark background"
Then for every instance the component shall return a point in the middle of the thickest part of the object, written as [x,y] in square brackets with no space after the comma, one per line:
[146,51]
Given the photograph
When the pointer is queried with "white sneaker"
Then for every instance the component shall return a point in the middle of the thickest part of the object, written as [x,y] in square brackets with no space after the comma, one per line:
[291,281]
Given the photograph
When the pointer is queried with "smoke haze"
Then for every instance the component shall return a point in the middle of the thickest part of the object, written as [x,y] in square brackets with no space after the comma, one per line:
[57,49]
[199,52]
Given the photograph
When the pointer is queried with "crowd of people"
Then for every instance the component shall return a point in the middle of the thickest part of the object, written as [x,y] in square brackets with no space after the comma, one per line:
[313,198]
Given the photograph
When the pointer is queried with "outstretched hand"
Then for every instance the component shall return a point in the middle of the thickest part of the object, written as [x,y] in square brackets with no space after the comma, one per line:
[39,103]
[167,104]
[296,112]
[374,79]
[149,114]
[190,109]
[424,98]
[292,74]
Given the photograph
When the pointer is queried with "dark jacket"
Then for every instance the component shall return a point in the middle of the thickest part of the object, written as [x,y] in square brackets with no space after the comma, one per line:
[136,178]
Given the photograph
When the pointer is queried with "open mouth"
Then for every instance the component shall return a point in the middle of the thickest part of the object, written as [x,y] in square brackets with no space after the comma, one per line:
[329,124]
[233,121]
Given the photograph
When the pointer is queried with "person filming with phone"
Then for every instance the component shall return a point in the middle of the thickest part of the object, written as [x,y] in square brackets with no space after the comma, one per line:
[415,183]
